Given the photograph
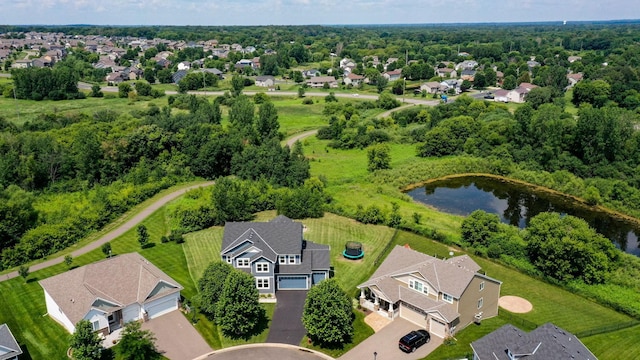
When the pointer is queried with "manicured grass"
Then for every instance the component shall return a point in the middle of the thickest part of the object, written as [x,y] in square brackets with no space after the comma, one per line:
[361,332]
[201,248]
[621,344]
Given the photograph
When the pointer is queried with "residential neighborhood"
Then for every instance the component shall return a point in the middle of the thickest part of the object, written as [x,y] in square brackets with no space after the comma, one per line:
[403,191]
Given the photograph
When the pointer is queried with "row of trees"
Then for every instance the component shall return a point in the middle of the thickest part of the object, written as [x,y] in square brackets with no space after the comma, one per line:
[44,83]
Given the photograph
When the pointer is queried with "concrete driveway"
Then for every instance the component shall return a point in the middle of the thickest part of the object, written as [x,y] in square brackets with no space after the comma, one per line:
[176,338]
[286,325]
[385,343]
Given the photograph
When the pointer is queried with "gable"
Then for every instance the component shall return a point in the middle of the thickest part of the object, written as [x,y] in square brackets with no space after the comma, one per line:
[161,289]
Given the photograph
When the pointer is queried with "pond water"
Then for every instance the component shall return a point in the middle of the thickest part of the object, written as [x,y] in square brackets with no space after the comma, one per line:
[517,204]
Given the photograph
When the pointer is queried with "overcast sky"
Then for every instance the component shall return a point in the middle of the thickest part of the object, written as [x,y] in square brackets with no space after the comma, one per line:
[301,12]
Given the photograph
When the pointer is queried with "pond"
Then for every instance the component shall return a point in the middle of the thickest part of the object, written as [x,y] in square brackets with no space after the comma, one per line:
[517,204]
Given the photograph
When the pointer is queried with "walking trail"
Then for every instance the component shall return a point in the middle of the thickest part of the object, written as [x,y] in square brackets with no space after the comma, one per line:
[113,233]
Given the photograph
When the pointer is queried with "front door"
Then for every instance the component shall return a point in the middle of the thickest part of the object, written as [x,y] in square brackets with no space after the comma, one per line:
[114,320]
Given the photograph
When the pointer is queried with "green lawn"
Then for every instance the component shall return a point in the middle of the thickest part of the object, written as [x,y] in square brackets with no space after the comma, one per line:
[361,332]
[621,344]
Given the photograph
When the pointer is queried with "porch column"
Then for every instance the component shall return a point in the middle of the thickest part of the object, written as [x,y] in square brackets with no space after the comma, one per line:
[390,311]
[376,303]
[362,293]
[363,299]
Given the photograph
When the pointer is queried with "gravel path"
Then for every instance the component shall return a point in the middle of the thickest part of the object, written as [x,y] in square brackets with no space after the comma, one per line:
[113,233]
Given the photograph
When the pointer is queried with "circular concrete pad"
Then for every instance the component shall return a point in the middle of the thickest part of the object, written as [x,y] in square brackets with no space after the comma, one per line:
[515,304]
[265,352]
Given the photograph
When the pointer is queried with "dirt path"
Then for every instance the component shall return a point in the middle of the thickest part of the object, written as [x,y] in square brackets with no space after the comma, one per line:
[301,136]
[113,233]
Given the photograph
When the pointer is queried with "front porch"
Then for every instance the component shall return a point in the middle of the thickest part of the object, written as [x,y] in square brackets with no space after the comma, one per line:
[371,301]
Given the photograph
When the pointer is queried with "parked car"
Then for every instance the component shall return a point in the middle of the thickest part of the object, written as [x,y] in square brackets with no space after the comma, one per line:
[413,340]
[489,96]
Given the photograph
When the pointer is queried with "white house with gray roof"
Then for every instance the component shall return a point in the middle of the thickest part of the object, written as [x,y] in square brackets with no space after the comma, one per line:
[441,296]
[276,254]
[110,293]
[547,342]
[9,348]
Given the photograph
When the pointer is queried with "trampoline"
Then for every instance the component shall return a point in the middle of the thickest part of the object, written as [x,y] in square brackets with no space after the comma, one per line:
[353,250]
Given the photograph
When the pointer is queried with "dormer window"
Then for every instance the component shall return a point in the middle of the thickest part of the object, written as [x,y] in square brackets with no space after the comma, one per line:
[418,286]
[292,259]
[242,262]
[282,259]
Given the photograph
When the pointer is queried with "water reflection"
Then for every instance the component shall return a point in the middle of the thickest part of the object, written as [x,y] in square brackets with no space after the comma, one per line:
[516,205]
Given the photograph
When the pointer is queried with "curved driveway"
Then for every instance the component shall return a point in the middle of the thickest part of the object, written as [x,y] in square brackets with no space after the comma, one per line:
[265,352]
[113,233]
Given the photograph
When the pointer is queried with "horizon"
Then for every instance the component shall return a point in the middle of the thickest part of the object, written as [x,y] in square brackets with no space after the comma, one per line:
[307,12]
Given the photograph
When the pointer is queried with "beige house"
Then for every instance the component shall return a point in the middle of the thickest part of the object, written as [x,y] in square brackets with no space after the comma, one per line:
[353,79]
[446,73]
[319,81]
[110,293]
[519,94]
[441,296]
[432,87]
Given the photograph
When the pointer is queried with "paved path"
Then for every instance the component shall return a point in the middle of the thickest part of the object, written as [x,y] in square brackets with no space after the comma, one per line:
[301,136]
[286,324]
[113,233]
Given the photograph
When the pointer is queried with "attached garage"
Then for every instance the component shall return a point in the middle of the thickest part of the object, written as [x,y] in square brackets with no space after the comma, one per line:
[416,317]
[162,306]
[319,276]
[437,327]
[293,283]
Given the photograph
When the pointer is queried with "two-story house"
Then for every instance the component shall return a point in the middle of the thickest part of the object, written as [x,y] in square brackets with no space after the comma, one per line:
[9,348]
[276,254]
[442,296]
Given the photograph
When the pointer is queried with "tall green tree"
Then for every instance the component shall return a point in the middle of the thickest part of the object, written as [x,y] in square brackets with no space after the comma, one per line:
[85,343]
[143,235]
[123,90]
[378,157]
[137,344]
[565,248]
[237,84]
[267,124]
[231,201]
[328,314]
[479,228]
[239,314]
[210,286]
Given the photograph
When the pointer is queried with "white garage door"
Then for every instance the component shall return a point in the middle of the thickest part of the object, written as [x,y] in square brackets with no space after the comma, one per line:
[413,316]
[437,328]
[161,307]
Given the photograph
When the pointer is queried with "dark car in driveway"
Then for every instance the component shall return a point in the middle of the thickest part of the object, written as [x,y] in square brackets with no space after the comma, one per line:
[413,340]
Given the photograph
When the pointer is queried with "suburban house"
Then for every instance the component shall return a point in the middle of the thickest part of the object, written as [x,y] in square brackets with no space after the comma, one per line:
[572,59]
[519,94]
[184,65]
[21,64]
[547,342]
[433,87]
[393,75]
[353,79]
[446,73]
[468,74]
[110,293]
[319,81]
[265,81]
[311,73]
[573,78]
[442,296]
[276,254]
[501,95]
[9,348]
[467,64]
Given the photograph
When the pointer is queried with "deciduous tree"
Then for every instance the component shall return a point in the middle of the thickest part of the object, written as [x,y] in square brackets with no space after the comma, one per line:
[85,343]
[210,286]
[137,344]
[239,314]
[328,314]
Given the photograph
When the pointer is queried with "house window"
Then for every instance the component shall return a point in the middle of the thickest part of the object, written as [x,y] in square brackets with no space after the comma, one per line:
[242,262]
[418,286]
[480,302]
[292,259]
[96,325]
[262,267]
[282,259]
[262,283]
[229,259]
[448,298]
[482,286]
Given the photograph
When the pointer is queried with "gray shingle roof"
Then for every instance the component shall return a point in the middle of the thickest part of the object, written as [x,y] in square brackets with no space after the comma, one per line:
[547,342]
[9,347]
[121,280]
[282,234]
